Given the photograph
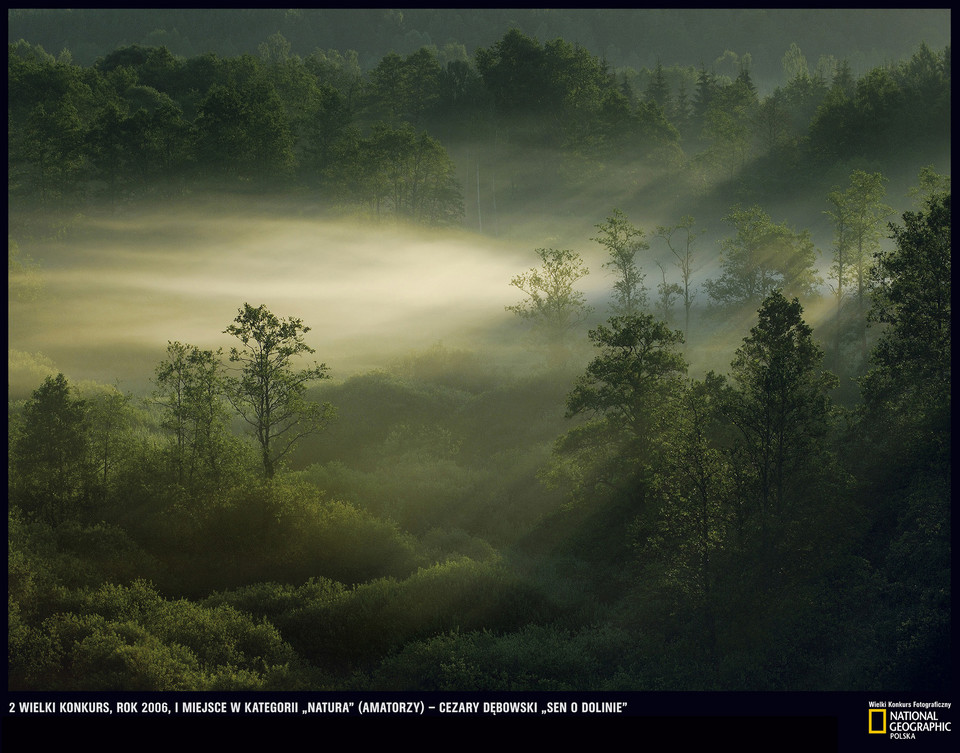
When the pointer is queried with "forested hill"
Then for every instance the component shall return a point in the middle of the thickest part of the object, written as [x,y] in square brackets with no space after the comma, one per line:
[522,128]
[623,37]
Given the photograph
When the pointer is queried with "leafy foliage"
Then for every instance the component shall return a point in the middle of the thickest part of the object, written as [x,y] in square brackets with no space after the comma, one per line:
[781,407]
[190,386]
[911,295]
[626,387]
[734,532]
[553,305]
[269,392]
[51,453]
[622,241]
[762,256]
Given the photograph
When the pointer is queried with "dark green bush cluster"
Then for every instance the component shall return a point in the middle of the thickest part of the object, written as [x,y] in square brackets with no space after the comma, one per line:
[340,630]
[131,638]
[534,658]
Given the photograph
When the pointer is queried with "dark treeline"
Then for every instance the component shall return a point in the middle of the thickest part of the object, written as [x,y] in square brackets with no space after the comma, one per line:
[630,514]
[434,136]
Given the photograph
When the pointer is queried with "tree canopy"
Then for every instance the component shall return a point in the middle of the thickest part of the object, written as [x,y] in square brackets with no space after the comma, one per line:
[269,391]
[761,257]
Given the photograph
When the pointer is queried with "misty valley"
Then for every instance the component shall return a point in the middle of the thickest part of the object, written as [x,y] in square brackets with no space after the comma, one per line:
[516,370]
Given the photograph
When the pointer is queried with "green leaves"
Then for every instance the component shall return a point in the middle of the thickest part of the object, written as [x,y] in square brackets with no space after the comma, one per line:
[268,393]
[190,387]
[242,130]
[51,454]
[622,240]
[781,406]
[760,257]
[553,305]
[637,356]
[626,386]
[911,295]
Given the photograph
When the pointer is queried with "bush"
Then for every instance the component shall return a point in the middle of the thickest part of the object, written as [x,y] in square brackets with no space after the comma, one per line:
[356,628]
[534,658]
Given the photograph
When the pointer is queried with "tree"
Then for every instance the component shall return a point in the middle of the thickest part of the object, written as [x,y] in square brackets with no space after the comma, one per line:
[325,119]
[667,293]
[683,253]
[910,288]
[269,392]
[51,452]
[696,486]
[340,70]
[762,256]
[553,306]
[243,131]
[930,183]
[771,122]
[781,408]
[861,212]
[680,112]
[626,384]
[622,241]
[727,129]
[840,267]
[275,50]
[108,420]
[705,93]
[625,393]
[794,63]
[658,90]
[514,70]
[190,391]
[397,172]
[906,427]
[407,89]
[547,95]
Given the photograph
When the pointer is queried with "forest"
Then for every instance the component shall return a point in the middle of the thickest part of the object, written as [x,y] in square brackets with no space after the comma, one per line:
[638,377]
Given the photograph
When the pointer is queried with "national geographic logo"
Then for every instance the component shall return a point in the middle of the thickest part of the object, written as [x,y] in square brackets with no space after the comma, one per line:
[878,722]
[905,720]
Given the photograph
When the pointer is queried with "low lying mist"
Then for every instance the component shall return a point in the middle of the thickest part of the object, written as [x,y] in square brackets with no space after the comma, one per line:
[117,290]
[109,295]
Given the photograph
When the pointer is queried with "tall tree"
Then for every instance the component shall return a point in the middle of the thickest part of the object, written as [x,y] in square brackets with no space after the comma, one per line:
[667,293]
[269,392]
[622,241]
[705,93]
[190,391]
[840,268]
[682,250]
[626,384]
[108,419]
[794,63]
[407,88]
[863,215]
[625,393]
[781,409]
[905,430]
[243,131]
[399,173]
[929,183]
[911,288]
[696,486]
[658,90]
[50,453]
